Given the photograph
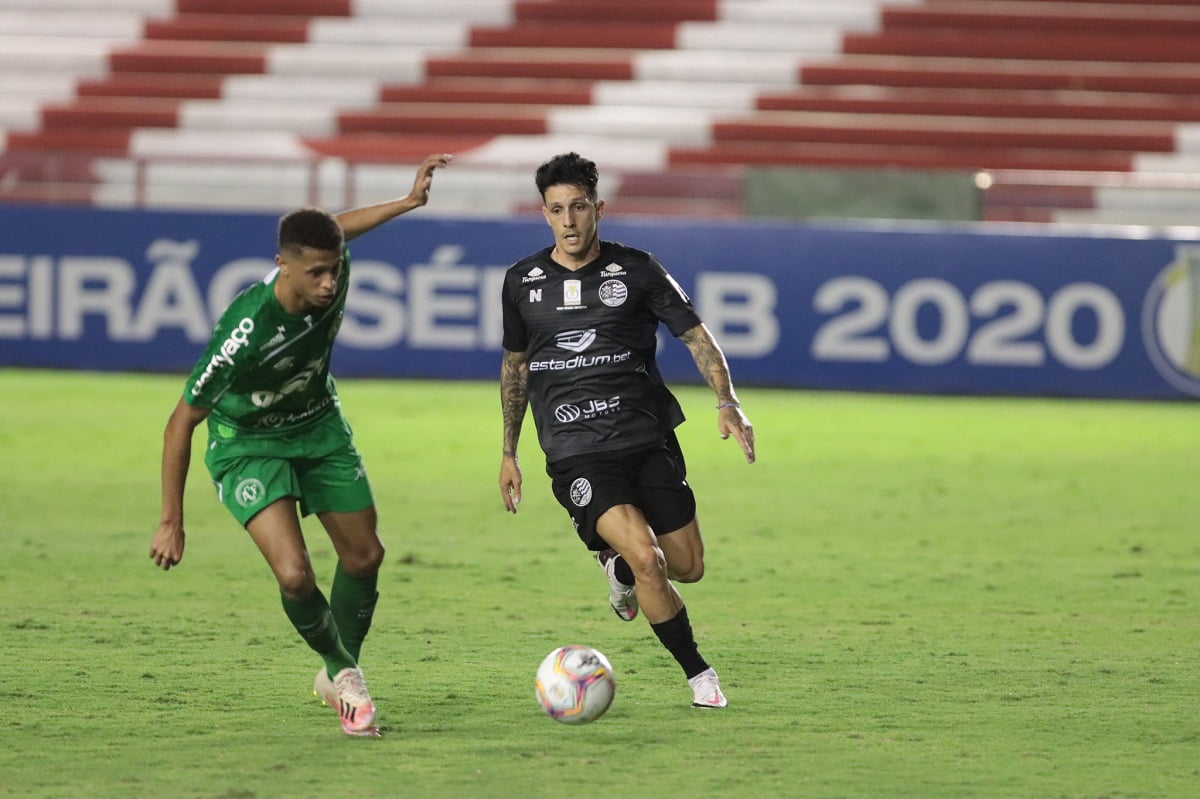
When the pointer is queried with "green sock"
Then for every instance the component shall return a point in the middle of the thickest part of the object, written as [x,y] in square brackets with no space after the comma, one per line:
[314,621]
[352,601]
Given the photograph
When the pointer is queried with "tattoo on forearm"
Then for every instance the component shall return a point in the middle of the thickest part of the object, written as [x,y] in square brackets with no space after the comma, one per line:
[514,396]
[710,361]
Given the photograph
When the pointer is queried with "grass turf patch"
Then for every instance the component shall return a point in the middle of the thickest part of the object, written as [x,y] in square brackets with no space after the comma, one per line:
[906,596]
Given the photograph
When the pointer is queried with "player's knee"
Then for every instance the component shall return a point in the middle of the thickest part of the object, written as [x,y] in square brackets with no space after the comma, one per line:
[364,560]
[692,572]
[647,563]
[296,582]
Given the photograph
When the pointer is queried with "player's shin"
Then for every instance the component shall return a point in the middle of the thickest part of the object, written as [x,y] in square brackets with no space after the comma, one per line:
[314,621]
[352,600]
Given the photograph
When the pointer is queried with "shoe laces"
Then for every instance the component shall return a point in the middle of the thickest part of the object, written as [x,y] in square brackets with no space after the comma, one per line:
[352,686]
[705,684]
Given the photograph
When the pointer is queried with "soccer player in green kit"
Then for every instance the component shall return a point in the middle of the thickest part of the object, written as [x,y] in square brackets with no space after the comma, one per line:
[277,438]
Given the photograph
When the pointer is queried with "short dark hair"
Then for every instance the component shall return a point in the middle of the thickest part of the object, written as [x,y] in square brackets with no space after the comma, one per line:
[310,228]
[569,168]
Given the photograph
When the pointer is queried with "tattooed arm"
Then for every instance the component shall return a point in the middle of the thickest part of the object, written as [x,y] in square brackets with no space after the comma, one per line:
[514,397]
[715,371]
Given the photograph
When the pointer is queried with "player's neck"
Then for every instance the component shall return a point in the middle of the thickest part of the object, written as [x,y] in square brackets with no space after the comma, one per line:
[288,300]
[575,263]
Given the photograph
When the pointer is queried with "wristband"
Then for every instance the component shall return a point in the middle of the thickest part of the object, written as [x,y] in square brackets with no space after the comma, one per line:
[729,405]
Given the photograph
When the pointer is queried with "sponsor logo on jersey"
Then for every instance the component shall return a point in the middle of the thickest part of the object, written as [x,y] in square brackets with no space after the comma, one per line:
[567,412]
[614,269]
[238,338]
[273,420]
[575,340]
[613,293]
[537,273]
[581,492]
[535,295]
[300,381]
[578,362]
[278,338]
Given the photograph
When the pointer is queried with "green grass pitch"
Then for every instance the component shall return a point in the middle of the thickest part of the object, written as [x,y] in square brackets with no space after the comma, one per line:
[906,597]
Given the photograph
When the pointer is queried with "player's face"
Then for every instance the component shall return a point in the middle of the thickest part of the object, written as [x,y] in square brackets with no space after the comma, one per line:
[575,218]
[309,278]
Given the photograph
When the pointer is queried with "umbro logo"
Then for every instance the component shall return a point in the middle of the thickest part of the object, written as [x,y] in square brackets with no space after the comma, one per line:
[537,273]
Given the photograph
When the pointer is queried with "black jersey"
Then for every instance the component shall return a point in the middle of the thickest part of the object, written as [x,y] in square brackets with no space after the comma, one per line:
[589,336]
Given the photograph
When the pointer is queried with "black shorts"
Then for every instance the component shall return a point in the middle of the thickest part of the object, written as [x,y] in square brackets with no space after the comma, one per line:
[654,480]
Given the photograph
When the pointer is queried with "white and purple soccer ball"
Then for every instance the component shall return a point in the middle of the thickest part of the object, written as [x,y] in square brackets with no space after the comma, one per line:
[575,684]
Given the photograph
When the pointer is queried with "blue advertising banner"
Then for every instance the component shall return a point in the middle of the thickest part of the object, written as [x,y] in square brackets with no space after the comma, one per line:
[911,309]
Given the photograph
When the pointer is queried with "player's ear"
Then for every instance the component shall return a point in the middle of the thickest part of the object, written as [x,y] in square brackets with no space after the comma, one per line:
[599,209]
[546,214]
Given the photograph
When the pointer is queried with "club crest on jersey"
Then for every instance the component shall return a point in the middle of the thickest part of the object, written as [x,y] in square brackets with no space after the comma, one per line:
[613,293]
[249,492]
[581,492]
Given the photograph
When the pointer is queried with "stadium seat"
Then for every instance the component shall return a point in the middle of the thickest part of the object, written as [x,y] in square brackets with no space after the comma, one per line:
[677,98]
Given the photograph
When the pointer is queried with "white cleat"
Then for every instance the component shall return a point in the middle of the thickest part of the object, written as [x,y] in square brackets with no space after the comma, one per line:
[352,702]
[323,688]
[621,598]
[706,690]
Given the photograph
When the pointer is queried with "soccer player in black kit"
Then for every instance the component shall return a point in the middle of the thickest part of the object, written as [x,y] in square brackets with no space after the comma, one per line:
[580,324]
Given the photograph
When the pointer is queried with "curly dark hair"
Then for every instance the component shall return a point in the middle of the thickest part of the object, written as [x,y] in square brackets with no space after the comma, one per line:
[569,168]
[310,228]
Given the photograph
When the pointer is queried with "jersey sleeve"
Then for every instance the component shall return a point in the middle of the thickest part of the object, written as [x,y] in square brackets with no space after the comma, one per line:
[669,302]
[516,336]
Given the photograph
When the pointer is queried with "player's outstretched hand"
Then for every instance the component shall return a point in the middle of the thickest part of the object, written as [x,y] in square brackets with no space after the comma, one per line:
[166,550]
[732,422]
[424,178]
[510,484]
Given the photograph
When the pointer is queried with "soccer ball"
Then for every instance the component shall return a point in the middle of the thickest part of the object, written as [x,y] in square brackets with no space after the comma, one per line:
[575,684]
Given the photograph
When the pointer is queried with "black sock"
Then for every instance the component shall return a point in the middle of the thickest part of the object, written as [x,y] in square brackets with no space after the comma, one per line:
[622,572]
[676,636]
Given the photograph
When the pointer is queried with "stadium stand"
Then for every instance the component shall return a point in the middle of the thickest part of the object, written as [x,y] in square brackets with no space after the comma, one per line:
[1071,110]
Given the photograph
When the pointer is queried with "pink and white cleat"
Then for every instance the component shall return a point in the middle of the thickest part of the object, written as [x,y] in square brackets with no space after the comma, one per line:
[347,694]
[706,690]
[323,688]
[621,598]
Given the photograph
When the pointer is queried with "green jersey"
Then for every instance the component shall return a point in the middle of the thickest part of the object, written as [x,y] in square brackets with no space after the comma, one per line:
[266,371]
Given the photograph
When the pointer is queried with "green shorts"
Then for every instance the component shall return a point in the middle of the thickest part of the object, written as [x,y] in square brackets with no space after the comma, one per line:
[318,466]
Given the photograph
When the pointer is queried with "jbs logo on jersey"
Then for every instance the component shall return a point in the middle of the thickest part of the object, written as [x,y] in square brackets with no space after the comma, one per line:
[575,340]
[537,273]
[568,412]
[238,338]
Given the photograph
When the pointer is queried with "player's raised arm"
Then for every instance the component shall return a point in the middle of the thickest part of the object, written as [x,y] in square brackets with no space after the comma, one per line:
[514,397]
[357,221]
[715,371]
